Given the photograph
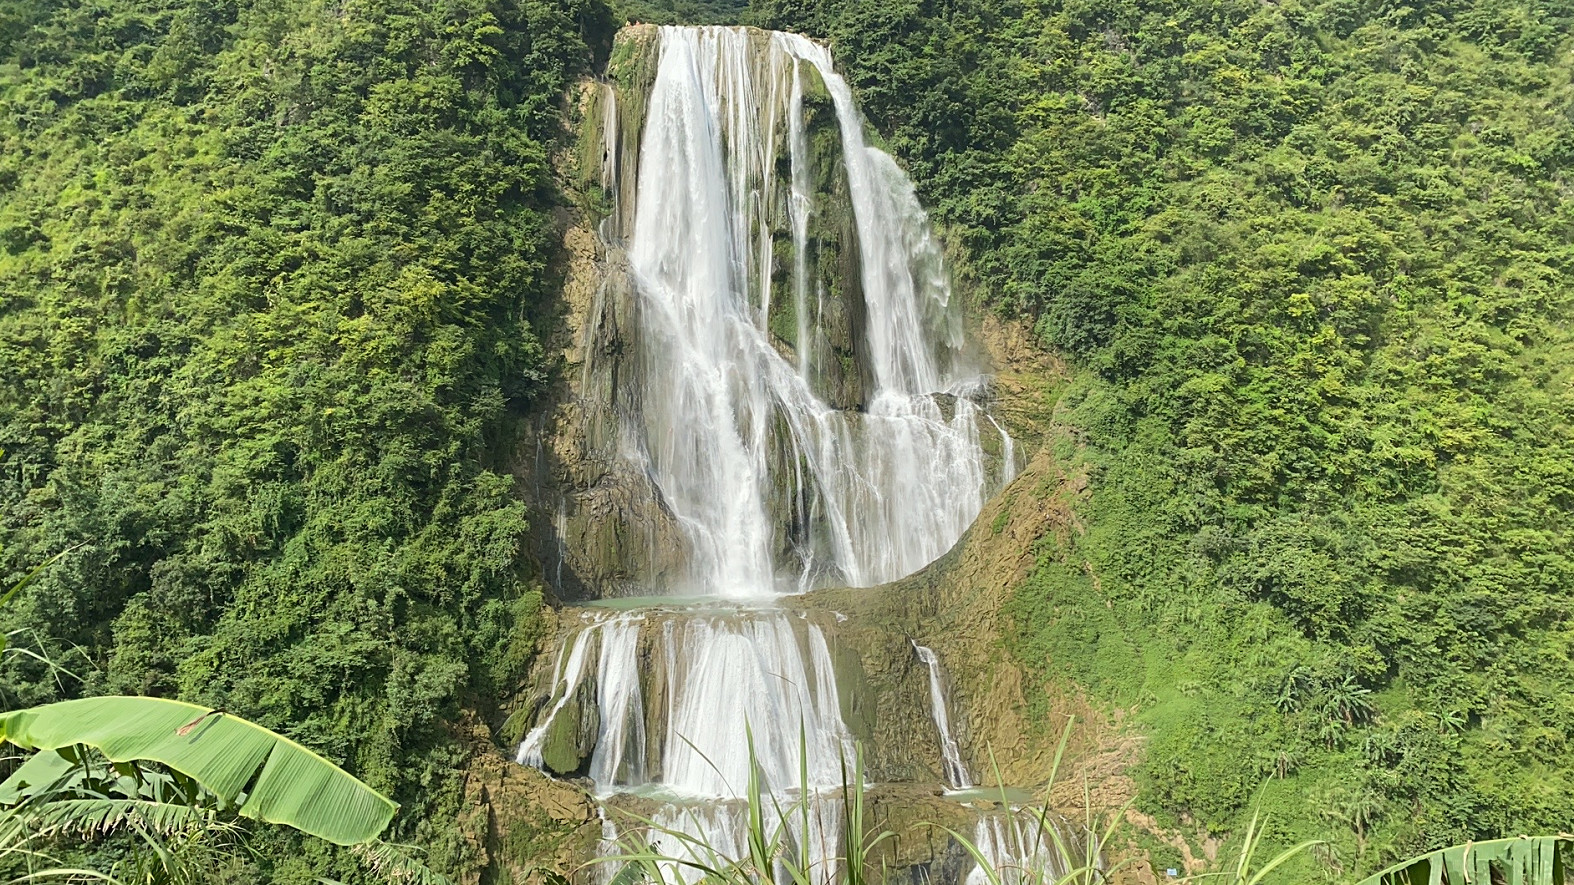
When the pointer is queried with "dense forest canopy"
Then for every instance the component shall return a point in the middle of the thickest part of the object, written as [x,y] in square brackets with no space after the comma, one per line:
[274,274]
[683,12]
[271,275]
[1316,263]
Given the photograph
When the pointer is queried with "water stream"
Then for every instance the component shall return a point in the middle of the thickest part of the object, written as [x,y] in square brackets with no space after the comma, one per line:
[955,770]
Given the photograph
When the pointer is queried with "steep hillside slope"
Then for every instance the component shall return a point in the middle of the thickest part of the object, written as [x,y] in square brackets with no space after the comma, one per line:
[1312,264]
[270,279]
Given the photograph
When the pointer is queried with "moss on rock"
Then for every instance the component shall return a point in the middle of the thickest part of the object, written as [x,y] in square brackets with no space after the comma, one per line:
[571,736]
[516,825]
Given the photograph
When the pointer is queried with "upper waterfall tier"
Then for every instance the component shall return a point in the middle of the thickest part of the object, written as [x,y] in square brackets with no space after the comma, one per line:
[801,424]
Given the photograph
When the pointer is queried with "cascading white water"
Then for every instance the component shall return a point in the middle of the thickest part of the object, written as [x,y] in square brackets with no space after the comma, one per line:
[730,428]
[570,673]
[1021,847]
[750,675]
[739,687]
[950,754]
[620,740]
[893,486]
[729,678]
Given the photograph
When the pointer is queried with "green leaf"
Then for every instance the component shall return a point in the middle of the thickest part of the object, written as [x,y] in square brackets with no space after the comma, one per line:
[39,771]
[93,817]
[264,775]
[1527,860]
[628,874]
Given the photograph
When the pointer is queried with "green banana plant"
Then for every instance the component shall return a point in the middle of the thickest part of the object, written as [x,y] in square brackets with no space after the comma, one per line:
[1527,860]
[253,771]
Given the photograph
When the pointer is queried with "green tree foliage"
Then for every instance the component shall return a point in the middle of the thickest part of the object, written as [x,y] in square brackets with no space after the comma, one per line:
[271,274]
[671,12]
[1314,260]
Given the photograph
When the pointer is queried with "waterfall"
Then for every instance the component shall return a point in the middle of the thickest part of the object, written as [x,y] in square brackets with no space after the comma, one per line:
[951,755]
[786,463]
[570,673]
[748,676]
[888,488]
[728,679]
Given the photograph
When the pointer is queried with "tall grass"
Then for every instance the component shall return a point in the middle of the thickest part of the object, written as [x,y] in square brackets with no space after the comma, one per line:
[1043,854]
[8,639]
[1039,851]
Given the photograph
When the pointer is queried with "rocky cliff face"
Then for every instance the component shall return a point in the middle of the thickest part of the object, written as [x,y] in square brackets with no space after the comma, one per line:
[517,825]
[601,529]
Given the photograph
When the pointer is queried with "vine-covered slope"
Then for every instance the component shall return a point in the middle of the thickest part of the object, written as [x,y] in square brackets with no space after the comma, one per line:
[1314,260]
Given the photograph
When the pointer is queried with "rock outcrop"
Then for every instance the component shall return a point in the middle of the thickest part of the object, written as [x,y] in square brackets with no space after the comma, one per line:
[517,825]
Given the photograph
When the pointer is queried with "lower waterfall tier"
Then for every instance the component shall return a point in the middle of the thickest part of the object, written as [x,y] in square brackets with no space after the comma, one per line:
[676,712]
[1019,842]
[683,698]
[663,692]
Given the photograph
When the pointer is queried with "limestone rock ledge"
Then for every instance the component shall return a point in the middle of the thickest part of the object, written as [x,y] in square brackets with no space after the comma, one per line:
[519,826]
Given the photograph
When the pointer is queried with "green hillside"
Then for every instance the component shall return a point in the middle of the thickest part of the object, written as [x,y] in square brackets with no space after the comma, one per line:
[1314,262]
[270,274]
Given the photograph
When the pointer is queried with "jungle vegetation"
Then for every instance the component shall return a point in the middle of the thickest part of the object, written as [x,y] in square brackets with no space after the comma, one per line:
[273,277]
[1313,262]
[155,787]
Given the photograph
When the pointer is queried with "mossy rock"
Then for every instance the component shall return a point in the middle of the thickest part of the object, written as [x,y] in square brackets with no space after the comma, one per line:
[571,738]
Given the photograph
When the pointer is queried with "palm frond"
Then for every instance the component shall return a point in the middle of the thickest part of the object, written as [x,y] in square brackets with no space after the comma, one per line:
[98,817]
[397,865]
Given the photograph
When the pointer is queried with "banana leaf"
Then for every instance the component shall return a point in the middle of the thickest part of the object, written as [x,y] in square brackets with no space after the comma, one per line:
[39,771]
[262,775]
[1526,860]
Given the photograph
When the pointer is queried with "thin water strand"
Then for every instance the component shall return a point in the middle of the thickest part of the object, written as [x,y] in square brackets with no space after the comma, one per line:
[951,755]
